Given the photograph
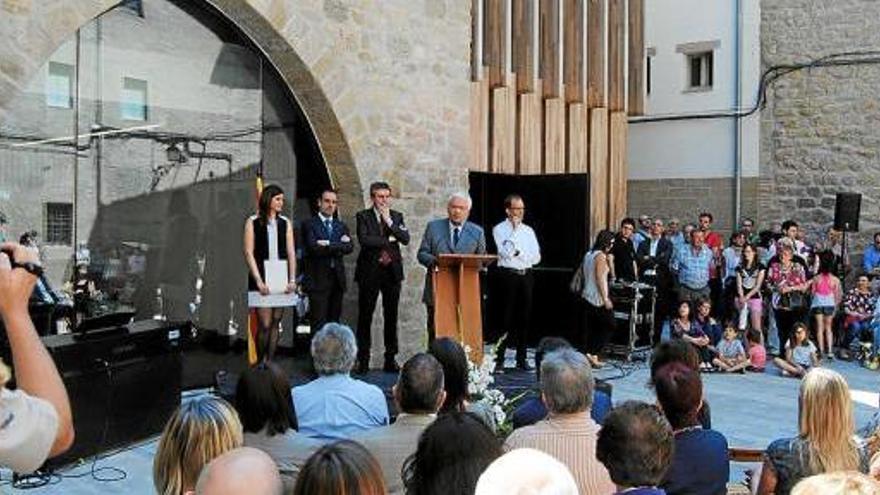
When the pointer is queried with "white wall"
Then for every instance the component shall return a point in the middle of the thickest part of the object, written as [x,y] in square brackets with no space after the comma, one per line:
[697,148]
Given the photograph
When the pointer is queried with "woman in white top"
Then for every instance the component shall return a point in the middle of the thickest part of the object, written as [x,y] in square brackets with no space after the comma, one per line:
[599,309]
[268,236]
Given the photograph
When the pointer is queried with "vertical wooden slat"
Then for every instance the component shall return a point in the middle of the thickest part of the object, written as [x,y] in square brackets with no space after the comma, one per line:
[530,139]
[497,41]
[577,138]
[479,126]
[616,55]
[554,136]
[617,172]
[598,170]
[524,41]
[476,40]
[550,57]
[596,53]
[636,62]
[503,129]
[574,51]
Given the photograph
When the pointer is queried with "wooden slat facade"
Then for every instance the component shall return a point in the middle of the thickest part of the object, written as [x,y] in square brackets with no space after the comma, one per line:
[553,82]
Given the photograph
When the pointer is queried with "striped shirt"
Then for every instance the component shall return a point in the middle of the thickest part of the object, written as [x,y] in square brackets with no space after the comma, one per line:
[570,438]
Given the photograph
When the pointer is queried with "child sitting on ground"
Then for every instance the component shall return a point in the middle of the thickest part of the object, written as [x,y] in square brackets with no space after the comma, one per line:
[757,352]
[800,353]
[731,355]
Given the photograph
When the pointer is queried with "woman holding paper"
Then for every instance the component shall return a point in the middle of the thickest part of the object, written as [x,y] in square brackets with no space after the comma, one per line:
[269,252]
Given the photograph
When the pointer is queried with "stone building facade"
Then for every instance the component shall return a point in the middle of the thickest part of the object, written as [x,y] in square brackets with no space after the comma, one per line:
[384,85]
[819,131]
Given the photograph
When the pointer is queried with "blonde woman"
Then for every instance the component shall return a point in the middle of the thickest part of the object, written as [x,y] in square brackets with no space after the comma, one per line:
[199,431]
[841,483]
[826,441]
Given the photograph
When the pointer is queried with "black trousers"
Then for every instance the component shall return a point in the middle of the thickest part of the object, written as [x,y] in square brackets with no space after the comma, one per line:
[516,299]
[785,320]
[368,293]
[600,324]
[325,306]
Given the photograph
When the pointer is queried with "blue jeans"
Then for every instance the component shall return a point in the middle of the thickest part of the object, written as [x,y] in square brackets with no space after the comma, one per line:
[854,331]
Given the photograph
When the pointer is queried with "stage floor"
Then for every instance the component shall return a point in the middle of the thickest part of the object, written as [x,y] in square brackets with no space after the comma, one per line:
[750,410]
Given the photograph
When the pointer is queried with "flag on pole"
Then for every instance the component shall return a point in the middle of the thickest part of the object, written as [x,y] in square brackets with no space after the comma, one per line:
[252,314]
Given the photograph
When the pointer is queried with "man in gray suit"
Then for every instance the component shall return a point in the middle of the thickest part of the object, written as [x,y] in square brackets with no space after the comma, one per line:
[453,234]
[418,394]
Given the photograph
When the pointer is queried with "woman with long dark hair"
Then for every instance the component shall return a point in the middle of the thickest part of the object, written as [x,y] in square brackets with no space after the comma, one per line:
[599,309]
[268,236]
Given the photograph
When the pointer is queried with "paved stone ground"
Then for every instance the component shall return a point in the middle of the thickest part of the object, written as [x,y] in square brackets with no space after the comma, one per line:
[750,410]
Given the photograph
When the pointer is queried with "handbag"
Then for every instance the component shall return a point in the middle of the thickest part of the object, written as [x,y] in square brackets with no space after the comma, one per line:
[793,301]
[576,285]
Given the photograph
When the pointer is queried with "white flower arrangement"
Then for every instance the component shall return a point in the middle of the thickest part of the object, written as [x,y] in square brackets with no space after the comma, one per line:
[480,380]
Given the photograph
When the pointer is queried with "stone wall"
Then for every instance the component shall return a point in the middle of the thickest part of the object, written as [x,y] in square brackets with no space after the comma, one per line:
[820,131]
[685,199]
[385,84]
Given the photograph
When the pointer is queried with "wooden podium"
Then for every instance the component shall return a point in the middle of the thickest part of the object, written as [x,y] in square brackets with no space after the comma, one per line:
[457,312]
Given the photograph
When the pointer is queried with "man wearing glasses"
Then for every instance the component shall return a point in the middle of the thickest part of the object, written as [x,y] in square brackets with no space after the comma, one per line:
[518,252]
[747,227]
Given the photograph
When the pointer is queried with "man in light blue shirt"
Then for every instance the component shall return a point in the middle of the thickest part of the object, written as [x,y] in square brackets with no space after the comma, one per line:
[871,258]
[335,405]
[692,264]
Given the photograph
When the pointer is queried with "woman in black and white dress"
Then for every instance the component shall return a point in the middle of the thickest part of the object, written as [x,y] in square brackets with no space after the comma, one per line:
[268,236]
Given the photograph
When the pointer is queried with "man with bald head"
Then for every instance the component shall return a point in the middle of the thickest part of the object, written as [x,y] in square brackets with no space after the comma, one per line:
[451,235]
[242,470]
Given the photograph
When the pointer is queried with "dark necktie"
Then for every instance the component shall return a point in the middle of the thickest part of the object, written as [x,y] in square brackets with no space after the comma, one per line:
[384,253]
[328,226]
[455,235]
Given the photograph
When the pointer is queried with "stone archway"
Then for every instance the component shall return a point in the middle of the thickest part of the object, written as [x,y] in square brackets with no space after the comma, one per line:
[41,26]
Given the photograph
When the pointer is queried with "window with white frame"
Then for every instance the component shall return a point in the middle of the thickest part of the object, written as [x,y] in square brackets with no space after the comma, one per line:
[699,64]
[133,104]
[59,85]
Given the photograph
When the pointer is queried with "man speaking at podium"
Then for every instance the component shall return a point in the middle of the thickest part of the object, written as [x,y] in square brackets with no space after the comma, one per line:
[451,235]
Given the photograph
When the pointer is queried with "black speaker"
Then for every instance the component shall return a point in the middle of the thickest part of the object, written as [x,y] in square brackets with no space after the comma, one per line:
[123,384]
[847,208]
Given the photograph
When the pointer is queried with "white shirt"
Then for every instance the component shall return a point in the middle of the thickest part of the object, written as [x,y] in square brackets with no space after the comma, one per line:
[517,247]
[28,426]
[452,228]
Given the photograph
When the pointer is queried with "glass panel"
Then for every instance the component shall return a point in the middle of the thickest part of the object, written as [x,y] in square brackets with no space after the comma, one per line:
[134,99]
[59,85]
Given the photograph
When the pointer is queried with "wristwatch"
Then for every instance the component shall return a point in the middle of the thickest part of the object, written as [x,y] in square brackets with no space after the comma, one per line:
[34,269]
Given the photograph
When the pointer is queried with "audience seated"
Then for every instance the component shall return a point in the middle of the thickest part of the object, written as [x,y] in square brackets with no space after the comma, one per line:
[452,454]
[341,468]
[199,431]
[678,351]
[532,409]
[242,470]
[452,357]
[840,483]
[335,405]
[825,441]
[265,408]
[635,444]
[569,433]
[35,419]
[418,395]
[700,461]
[526,472]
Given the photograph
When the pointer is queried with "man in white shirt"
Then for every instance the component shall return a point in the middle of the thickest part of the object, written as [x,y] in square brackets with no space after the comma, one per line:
[518,252]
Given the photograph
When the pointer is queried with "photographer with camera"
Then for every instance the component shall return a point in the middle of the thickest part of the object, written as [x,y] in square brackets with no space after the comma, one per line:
[35,419]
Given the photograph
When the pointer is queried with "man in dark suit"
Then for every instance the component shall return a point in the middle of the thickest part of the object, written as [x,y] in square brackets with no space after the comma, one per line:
[653,257]
[453,234]
[326,241]
[380,232]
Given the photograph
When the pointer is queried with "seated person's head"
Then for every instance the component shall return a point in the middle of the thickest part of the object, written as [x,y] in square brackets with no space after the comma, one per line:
[242,470]
[526,472]
[674,351]
[680,394]
[545,346]
[566,382]
[334,349]
[453,359]
[200,430]
[340,468]
[263,400]
[839,483]
[753,335]
[419,389]
[635,445]
[451,455]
